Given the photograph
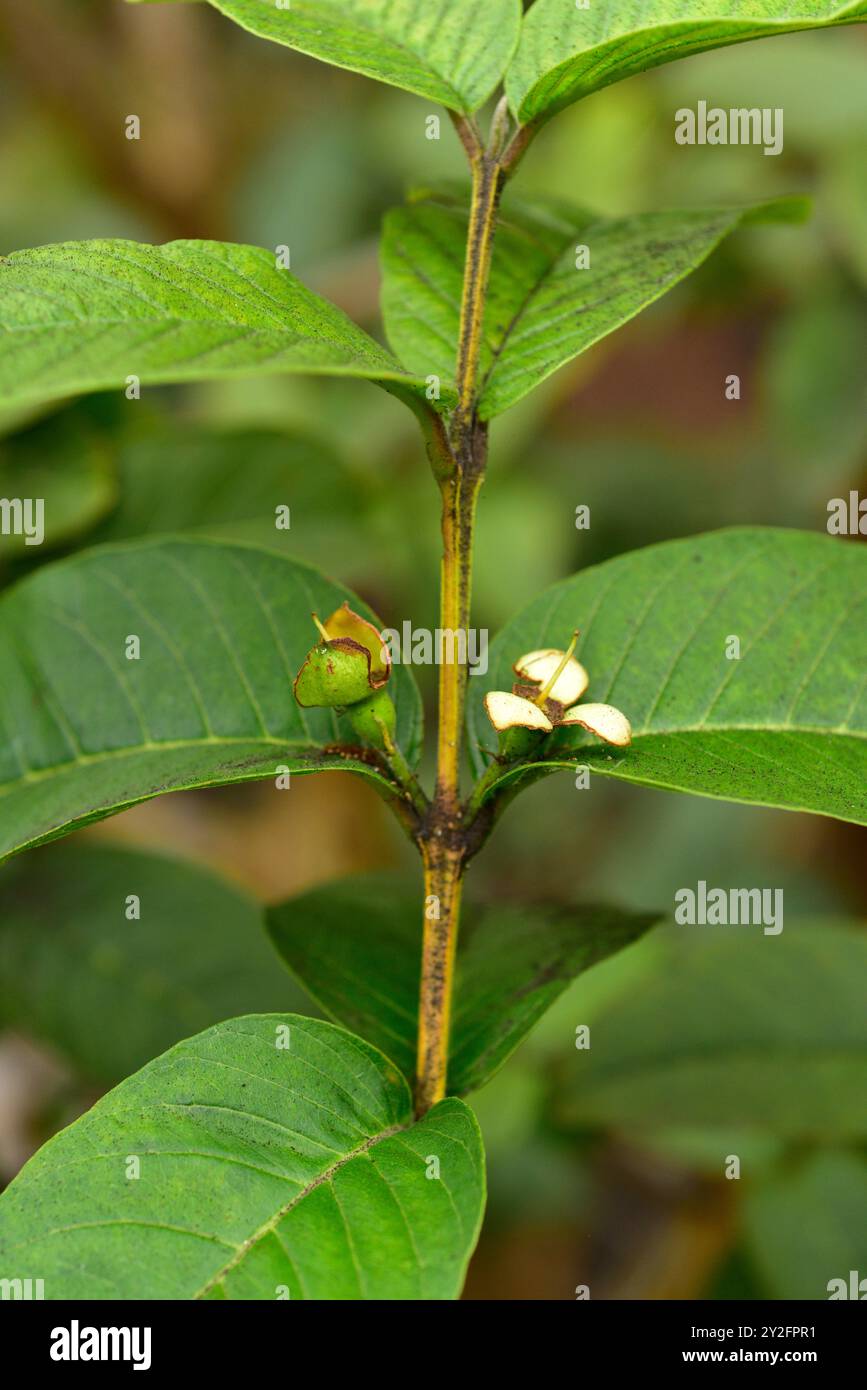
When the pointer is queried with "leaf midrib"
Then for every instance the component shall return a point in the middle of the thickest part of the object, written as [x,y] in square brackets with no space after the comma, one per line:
[520,312]
[659,731]
[268,1226]
[566,762]
[843,730]
[171,745]
[288,337]
[526,306]
[320,761]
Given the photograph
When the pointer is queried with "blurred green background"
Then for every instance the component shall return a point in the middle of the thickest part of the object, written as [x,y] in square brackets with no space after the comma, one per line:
[245,141]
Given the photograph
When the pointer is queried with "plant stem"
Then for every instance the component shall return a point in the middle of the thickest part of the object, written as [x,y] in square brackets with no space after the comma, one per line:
[459,498]
[444,846]
[443,879]
[460,489]
[488,181]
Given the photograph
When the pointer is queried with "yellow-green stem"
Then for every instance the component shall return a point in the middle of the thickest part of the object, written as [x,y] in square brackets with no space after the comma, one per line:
[443,878]
[443,842]
[488,181]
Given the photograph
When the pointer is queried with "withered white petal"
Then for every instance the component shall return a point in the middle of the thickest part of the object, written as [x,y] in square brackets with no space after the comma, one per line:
[507,711]
[605,721]
[529,657]
[540,666]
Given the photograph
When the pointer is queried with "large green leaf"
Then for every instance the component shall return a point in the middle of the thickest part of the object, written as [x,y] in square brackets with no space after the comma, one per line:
[111,992]
[806,1225]
[785,725]
[542,310]
[735,1029]
[278,1158]
[451,52]
[356,948]
[567,52]
[85,315]
[223,627]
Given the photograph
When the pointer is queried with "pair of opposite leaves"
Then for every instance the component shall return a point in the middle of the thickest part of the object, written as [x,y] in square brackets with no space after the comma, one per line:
[224,310]
[457,52]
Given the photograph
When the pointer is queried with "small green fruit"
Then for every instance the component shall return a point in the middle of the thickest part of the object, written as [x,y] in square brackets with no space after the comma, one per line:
[344,622]
[336,673]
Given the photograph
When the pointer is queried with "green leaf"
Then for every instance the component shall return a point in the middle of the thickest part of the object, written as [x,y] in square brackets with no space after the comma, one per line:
[355,946]
[542,310]
[450,52]
[784,725]
[736,1029]
[565,53]
[86,315]
[176,477]
[224,629]
[67,467]
[807,1225]
[274,1163]
[111,993]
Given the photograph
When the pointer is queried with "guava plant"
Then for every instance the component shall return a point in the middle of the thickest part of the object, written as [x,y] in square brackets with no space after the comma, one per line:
[273,1155]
